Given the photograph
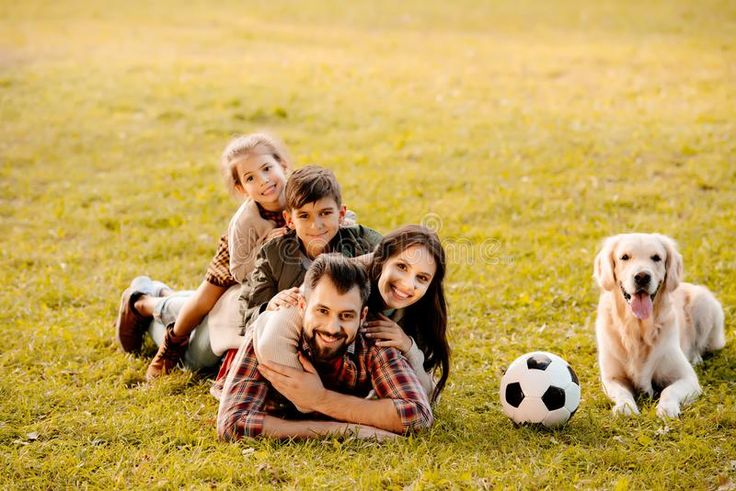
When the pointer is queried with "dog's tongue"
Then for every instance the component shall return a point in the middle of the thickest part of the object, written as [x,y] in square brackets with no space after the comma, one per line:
[641,305]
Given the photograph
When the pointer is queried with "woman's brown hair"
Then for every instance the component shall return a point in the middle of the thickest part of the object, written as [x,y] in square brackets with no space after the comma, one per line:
[425,320]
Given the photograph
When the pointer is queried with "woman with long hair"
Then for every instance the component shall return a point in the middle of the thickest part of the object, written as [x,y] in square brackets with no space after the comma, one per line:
[407,309]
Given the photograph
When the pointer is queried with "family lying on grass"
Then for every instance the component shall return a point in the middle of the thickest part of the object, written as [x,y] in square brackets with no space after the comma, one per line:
[319,325]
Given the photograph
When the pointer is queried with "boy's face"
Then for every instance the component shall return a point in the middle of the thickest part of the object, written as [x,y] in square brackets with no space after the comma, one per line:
[262,179]
[331,319]
[316,224]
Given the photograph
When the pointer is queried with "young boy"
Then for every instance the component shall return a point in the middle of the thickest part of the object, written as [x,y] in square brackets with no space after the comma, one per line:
[314,213]
[254,168]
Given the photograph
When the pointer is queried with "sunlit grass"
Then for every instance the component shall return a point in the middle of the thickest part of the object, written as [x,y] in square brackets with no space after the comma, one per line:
[526,131]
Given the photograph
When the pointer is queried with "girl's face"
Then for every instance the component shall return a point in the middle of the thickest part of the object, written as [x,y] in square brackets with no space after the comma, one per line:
[406,276]
[262,178]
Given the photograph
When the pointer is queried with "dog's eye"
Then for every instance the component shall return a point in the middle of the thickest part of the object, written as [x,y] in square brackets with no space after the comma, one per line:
[625,257]
[656,258]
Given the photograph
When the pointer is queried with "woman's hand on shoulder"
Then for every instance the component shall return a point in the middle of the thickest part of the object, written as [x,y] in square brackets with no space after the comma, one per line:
[364,259]
[277,232]
[284,299]
[387,333]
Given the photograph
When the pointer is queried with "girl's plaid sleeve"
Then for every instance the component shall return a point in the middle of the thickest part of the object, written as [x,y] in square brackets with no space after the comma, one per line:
[218,271]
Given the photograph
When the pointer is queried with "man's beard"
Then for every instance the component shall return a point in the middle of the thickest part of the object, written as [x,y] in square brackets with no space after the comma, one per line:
[322,354]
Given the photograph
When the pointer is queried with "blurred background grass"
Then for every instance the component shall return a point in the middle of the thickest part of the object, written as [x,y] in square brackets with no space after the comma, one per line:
[526,131]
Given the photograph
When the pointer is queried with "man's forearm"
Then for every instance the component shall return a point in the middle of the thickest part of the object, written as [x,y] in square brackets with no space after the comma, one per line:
[380,413]
[282,428]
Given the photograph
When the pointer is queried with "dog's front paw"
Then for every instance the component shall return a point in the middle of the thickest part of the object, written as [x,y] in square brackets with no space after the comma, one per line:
[668,409]
[627,408]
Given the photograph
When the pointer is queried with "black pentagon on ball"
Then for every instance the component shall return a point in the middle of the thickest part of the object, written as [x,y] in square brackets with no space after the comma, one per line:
[538,362]
[514,394]
[554,398]
[573,375]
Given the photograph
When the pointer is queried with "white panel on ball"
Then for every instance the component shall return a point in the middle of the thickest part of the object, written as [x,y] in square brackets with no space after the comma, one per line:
[508,409]
[516,370]
[536,385]
[531,410]
[556,417]
[572,397]
[558,373]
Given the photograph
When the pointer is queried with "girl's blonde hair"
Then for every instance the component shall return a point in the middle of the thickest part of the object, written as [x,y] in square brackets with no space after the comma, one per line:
[243,145]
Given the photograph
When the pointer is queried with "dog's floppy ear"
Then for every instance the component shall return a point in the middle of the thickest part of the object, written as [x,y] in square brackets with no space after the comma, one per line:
[603,265]
[672,265]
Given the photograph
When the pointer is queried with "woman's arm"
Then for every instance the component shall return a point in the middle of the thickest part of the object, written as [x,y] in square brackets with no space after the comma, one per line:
[276,335]
[416,360]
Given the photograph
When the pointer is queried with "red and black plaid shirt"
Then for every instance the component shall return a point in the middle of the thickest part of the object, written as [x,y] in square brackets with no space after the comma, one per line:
[249,397]
[277,217]
[218,271]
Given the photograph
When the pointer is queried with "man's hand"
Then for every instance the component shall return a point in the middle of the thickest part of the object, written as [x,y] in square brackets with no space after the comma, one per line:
[388,333]
[285,298]
[303,388]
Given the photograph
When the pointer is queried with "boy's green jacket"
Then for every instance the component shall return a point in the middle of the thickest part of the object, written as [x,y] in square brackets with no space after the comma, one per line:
[281,264]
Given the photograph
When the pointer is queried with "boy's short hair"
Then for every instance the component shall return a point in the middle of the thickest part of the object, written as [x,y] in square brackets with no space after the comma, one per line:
[344,274]
[310,184]
[244,145]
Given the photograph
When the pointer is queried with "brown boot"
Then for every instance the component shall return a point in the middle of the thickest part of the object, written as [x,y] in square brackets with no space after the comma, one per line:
[130,325]
[169,354]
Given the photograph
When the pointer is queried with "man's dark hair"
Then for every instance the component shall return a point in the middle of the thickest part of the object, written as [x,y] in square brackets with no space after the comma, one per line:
[310,184]
[344,274]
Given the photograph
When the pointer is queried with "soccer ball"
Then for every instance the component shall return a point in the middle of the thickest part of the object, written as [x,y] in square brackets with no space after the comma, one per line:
[540,387]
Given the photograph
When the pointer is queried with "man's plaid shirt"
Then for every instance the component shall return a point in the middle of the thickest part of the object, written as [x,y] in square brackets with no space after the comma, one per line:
[248,397]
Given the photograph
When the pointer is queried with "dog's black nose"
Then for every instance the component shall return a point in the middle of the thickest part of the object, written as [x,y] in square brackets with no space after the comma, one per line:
[642,279]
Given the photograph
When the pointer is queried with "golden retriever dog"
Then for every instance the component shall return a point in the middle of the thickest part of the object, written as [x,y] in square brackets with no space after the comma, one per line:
[651,328]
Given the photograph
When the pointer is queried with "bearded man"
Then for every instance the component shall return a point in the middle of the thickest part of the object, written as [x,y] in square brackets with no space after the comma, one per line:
[341,368]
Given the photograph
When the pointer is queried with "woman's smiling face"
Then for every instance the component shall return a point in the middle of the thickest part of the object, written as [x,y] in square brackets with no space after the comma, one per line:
[406,276]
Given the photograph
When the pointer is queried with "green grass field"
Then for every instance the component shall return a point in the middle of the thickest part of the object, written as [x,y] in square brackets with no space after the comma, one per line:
[527,131]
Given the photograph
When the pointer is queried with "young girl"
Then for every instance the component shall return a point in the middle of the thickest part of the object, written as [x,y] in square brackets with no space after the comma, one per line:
[200,326]
[407,309]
